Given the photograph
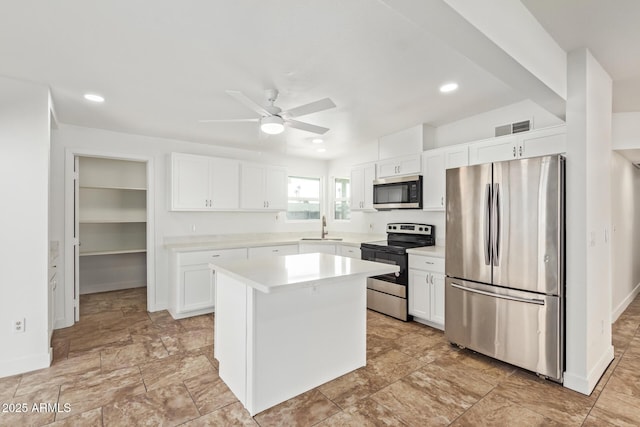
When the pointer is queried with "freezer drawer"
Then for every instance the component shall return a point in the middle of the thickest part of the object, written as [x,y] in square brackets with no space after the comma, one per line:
[517,327]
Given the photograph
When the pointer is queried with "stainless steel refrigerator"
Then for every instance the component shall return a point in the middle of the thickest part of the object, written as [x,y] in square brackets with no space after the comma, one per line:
[504,291]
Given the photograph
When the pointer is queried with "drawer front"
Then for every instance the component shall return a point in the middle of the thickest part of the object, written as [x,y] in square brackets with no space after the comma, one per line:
[428,263]
[350,251]
[278,250]
[205,257]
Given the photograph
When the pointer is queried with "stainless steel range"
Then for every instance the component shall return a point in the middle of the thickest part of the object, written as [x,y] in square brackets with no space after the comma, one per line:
[388,293]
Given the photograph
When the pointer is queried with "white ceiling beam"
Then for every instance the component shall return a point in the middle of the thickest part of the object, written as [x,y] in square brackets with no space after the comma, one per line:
[500,36]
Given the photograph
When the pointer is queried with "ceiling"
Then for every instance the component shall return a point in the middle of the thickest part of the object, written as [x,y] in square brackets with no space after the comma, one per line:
[163,65]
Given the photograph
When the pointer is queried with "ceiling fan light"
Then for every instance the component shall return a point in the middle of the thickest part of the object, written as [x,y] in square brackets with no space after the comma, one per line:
[272,125]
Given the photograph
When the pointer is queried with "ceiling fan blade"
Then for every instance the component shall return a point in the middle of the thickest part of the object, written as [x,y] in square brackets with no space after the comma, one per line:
[228,120]
[312,107]
[241,97]
[307,126]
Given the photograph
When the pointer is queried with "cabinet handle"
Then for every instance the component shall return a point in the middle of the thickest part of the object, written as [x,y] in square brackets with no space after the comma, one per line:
[275,250]
[215,256]
[267,204]
[442,201]
[429,262]
[514,151]
[431,278]
[520,150]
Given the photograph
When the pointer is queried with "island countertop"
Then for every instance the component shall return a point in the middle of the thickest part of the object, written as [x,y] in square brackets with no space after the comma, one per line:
[272,274]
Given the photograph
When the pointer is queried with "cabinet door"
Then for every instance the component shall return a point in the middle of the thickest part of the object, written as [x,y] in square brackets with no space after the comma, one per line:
[349,251]
[388,168]
[456,156]
[411,165]
[190,182]
[369,177]
[419,294]
[437,298]
[357,189]
[252,187]
[197,289]
[543,142]
[224,177]
[493,150]
[434,180]
[276,188]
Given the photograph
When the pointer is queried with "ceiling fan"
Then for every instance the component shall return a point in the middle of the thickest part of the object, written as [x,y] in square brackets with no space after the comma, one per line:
[272,118]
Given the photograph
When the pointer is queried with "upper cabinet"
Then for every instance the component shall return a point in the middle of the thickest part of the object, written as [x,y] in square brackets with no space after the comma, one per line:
[362,178]
[263,187]
[399,166]
[202,183]
[435,163]
[540,142]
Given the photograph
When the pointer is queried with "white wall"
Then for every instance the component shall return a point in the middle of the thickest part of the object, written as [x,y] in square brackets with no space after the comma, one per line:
[588,290]
[24,172]
[483,125]
[626,131]
[168,223]
[625,234]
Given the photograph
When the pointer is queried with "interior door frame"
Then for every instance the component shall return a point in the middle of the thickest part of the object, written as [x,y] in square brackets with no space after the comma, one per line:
[69,219]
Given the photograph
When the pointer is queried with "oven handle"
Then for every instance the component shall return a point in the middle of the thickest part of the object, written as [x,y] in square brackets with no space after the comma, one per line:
[494,295]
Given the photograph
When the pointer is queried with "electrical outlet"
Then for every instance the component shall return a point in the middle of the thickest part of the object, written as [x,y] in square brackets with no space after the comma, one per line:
[18,325]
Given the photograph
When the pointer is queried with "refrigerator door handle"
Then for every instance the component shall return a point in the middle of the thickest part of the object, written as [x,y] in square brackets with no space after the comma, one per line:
[494,295]
[487,221]
[495,232]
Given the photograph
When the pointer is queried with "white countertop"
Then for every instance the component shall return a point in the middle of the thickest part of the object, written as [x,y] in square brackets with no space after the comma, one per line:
[271,274]
[232,241]
[435,251]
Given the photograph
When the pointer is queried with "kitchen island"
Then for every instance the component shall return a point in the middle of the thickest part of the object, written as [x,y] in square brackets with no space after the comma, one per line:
[286,324]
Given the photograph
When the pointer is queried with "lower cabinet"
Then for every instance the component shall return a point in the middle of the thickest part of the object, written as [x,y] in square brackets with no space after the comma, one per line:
[193,283]
[426,289]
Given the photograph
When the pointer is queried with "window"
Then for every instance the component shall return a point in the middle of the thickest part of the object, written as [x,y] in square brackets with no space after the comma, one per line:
[304,198]
[342,194]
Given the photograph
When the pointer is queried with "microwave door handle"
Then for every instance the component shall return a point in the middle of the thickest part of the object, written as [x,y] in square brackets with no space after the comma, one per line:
[487,221]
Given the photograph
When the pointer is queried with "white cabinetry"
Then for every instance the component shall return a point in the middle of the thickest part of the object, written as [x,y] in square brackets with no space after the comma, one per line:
[362,178]
[407,165]
[540,142]
[310,248]
[263,187]
[276,250]
[426,289]
[349,251]
[201,183]
[435,163]
[193,282]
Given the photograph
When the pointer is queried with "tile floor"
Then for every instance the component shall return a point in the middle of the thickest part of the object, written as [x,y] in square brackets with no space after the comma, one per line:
[122,366]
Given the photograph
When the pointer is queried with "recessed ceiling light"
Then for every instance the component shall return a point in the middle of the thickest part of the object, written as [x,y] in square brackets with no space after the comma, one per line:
[317,140]
[93,97]
[449,87]
[321,150]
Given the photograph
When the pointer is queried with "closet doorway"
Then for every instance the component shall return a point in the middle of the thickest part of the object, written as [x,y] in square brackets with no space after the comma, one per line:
[111,231]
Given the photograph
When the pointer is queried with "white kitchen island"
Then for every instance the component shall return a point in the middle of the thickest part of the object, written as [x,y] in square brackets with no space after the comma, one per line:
[284,325]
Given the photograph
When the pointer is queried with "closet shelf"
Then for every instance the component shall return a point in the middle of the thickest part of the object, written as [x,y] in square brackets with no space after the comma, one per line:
[106,187]
[113,252]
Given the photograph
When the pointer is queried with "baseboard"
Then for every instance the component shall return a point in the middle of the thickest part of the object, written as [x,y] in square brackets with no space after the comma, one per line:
[585,385]
[25,364]
[625,303]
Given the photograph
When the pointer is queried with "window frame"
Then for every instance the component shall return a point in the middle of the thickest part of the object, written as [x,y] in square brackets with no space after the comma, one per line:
[335,199]
[320,199]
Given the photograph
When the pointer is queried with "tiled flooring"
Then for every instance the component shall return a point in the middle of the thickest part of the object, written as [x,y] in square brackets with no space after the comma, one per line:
[122,366]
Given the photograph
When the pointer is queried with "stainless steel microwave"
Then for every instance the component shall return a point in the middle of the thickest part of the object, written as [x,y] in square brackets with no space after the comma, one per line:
[403,192]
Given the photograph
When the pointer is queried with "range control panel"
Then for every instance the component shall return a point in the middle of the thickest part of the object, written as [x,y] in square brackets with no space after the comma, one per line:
[410,228]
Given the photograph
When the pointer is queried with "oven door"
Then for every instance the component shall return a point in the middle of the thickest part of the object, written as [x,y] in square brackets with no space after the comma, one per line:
[378,255]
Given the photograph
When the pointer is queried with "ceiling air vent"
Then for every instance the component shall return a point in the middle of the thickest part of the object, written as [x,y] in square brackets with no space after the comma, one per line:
[513,128]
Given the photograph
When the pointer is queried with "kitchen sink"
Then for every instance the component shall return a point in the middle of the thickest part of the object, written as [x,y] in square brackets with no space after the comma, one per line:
[317,239]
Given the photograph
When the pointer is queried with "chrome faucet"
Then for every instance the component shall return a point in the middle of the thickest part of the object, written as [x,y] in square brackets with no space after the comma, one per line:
[324,225]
